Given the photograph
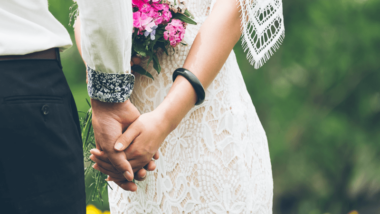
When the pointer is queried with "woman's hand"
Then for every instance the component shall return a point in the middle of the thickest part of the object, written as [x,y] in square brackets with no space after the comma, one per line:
[143,138]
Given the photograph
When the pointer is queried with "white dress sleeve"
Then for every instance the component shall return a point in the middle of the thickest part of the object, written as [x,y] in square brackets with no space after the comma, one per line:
[106,40]
[262,29]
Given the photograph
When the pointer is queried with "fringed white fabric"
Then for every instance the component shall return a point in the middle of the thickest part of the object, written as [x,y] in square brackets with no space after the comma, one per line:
[262,29]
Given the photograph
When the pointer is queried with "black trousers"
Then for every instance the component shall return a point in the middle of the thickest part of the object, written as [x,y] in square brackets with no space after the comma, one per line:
[41,157]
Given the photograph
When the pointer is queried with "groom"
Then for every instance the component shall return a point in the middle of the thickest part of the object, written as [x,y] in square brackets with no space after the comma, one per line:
[41,157]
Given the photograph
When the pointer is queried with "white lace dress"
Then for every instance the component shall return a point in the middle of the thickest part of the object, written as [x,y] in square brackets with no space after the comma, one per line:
[217,159]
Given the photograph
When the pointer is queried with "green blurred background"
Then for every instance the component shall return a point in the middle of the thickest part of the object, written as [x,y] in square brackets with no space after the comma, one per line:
[318,98]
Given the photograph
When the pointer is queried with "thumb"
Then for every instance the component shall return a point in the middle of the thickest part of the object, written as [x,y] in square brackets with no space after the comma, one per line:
[126,138]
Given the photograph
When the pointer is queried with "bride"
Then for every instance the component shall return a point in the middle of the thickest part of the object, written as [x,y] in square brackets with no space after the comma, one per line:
[214,157]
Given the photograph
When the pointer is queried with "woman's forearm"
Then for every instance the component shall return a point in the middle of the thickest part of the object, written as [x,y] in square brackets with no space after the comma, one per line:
[210,50]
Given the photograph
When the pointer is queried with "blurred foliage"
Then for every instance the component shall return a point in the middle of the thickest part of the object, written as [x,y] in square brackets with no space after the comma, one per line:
[318,99]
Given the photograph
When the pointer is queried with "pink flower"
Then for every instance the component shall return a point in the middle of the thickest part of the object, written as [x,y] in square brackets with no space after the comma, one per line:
[175,32]
[138,3]
[159,20]
[137,19]
[143,22]
[176,23]
[166,15]
[158,6]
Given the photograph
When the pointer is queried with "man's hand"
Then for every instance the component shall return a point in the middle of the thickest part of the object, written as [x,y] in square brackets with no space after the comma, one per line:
[141,141]
[110,120]
[103,165]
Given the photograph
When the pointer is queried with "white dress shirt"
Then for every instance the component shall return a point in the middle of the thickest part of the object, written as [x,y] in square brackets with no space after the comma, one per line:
[27,26]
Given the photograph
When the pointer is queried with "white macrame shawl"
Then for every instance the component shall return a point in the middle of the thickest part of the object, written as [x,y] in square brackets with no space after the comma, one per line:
[262,29]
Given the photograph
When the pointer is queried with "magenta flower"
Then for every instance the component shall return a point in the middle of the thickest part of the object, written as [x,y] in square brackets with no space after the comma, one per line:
[137,19]
[175,32]
[138,3]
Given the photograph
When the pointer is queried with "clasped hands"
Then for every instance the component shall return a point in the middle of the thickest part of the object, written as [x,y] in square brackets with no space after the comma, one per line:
[126,141]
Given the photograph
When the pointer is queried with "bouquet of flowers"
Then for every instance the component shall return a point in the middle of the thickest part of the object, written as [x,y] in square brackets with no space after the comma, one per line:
[157,26]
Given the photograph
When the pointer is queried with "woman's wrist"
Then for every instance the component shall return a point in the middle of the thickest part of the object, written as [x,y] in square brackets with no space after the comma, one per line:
[169,118]
[180,99]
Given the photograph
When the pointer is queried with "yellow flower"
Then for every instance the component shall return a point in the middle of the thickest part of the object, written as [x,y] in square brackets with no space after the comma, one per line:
[353,212]
[91,209]
[106,212]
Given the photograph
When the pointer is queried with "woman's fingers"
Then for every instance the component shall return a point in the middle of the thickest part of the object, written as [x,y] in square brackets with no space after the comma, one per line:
[156,156]
[151,166]
[140,175]
[126,138]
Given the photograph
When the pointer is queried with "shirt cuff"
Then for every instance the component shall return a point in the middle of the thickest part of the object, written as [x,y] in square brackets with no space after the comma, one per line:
[110,88]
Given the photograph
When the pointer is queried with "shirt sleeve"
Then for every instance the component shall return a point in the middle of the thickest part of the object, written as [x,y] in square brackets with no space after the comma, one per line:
[106,40]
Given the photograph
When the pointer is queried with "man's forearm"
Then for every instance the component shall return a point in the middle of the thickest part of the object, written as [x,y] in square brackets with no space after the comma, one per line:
[104,38]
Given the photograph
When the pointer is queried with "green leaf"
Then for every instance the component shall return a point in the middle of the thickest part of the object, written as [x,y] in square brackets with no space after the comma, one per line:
[150,59]
[141,70]
[139,48]
[156,63]
[165,50]
[88,102]
[87,128]
[184,18]
[188,14]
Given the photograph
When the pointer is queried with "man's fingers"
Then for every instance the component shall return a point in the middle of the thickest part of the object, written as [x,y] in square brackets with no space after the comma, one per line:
[121,179]
[126,138]
[100,155]
[119,161]
[128,186]
[137,165]
[140,175]
[104,165]
[105,171]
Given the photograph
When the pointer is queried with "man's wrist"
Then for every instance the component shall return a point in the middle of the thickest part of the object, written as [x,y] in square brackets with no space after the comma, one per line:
[111,88]
[125,113]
